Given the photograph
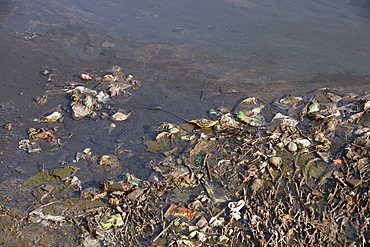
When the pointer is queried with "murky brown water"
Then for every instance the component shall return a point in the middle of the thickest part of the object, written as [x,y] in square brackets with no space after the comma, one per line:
[190,56]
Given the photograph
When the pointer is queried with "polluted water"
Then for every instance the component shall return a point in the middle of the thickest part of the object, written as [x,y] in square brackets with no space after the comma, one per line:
[161,124]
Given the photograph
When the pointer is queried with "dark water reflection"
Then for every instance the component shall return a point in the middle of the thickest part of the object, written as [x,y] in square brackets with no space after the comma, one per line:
[190,55]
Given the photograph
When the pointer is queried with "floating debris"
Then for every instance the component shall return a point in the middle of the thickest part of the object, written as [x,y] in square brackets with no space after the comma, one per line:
[204,123]
[85,77]
[42,134]
[114,220]
[290,99]
[112,186]
[286,120]
[41,100]
[241,117]
[79,110]
[52,118]
[105,163]
[119,116]
[30,147]
[300,177]
[177,211]
[8,126]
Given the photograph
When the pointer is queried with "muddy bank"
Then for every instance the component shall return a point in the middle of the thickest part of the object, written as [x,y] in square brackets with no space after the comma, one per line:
[256,174]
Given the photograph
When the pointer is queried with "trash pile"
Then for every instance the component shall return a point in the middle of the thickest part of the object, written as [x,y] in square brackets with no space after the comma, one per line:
[238,179]
[84,102]
[250,176]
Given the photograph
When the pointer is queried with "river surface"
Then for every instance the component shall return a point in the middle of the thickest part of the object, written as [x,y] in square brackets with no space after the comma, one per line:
[190,56]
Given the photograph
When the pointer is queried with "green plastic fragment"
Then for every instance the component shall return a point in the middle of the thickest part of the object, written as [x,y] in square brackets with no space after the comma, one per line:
[128,178]
[176,223]
[113,220]
[107,225]
[313,107]
[34,150]
[212,112]
[241,117]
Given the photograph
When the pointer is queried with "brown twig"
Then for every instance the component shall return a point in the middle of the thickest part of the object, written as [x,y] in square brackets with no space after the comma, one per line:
[165,229]
[205,163]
